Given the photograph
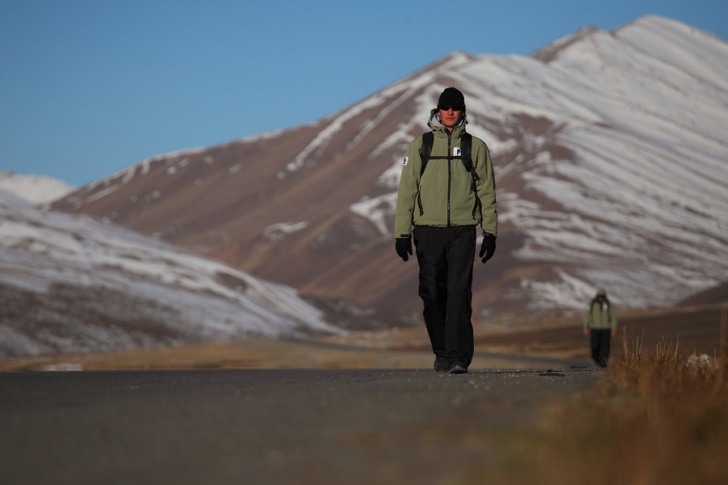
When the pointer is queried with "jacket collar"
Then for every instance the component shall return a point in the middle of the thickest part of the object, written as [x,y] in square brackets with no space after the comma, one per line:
[438,129]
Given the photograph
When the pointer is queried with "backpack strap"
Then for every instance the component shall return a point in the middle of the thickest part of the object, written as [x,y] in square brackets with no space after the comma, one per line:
[426,149]
[466,148]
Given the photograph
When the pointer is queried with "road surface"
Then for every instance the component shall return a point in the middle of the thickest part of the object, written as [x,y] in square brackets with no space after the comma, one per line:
[265,426]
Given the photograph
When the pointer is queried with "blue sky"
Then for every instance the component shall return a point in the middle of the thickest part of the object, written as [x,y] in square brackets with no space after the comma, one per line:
[90,87]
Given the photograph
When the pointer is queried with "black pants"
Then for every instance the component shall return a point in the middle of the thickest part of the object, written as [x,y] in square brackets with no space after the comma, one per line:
[445,256]
[601,343]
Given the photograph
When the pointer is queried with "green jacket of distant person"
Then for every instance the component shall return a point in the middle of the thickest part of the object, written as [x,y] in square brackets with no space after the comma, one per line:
[444,195]
[601,314]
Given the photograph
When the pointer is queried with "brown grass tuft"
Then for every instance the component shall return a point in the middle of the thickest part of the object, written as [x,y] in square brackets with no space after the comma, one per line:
[652,419]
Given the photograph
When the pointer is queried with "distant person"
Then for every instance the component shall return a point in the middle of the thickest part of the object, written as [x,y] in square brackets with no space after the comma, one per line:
[446,190]
[600,322]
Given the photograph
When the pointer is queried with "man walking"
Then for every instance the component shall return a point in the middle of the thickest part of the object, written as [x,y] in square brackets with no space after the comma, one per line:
[447,188]
[600,323]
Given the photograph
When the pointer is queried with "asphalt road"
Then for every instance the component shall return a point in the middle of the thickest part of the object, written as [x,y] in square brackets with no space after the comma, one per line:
[265,426]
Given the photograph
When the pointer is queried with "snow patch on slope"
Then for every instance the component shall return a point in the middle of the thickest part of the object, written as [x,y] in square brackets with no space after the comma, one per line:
[377,210]
[40,249]
[36,189]
[278,231]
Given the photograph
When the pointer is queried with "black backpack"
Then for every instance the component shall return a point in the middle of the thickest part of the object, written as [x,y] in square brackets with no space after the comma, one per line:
[465,153]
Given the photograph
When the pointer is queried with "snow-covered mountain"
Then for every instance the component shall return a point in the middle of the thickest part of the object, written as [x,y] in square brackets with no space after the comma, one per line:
[69,283]
[36,189]
[611,167]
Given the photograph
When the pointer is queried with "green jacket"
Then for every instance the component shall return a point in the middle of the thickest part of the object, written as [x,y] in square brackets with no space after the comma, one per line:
[600,316]
[444,196]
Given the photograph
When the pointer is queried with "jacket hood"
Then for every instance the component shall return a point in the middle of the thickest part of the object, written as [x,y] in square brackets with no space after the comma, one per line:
[436,126]
[601,292]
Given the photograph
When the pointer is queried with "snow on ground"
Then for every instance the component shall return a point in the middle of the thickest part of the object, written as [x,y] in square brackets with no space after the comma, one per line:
[214,301]
[377,210]
[36,189]
[278,231]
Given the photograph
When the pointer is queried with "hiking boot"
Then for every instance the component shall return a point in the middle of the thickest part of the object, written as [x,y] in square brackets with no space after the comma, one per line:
[458,368]
[442,364]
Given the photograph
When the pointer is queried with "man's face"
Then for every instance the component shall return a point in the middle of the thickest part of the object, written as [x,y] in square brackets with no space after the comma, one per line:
[450,117]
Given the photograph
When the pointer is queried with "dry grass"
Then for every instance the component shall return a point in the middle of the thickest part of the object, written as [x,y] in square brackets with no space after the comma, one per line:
[698,328]
[651,420]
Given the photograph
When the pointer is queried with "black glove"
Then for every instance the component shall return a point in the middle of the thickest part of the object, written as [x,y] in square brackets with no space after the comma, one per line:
[488,247]
[403,245]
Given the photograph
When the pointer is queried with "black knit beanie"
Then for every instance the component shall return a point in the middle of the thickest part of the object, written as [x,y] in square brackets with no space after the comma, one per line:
[451,97]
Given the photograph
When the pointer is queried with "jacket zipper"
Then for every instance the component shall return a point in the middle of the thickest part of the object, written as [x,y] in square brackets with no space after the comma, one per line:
[449,174]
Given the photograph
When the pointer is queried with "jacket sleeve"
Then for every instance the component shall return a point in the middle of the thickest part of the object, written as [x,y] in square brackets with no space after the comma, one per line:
[613,318]
[408,187]
[587,317]
[486,190]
